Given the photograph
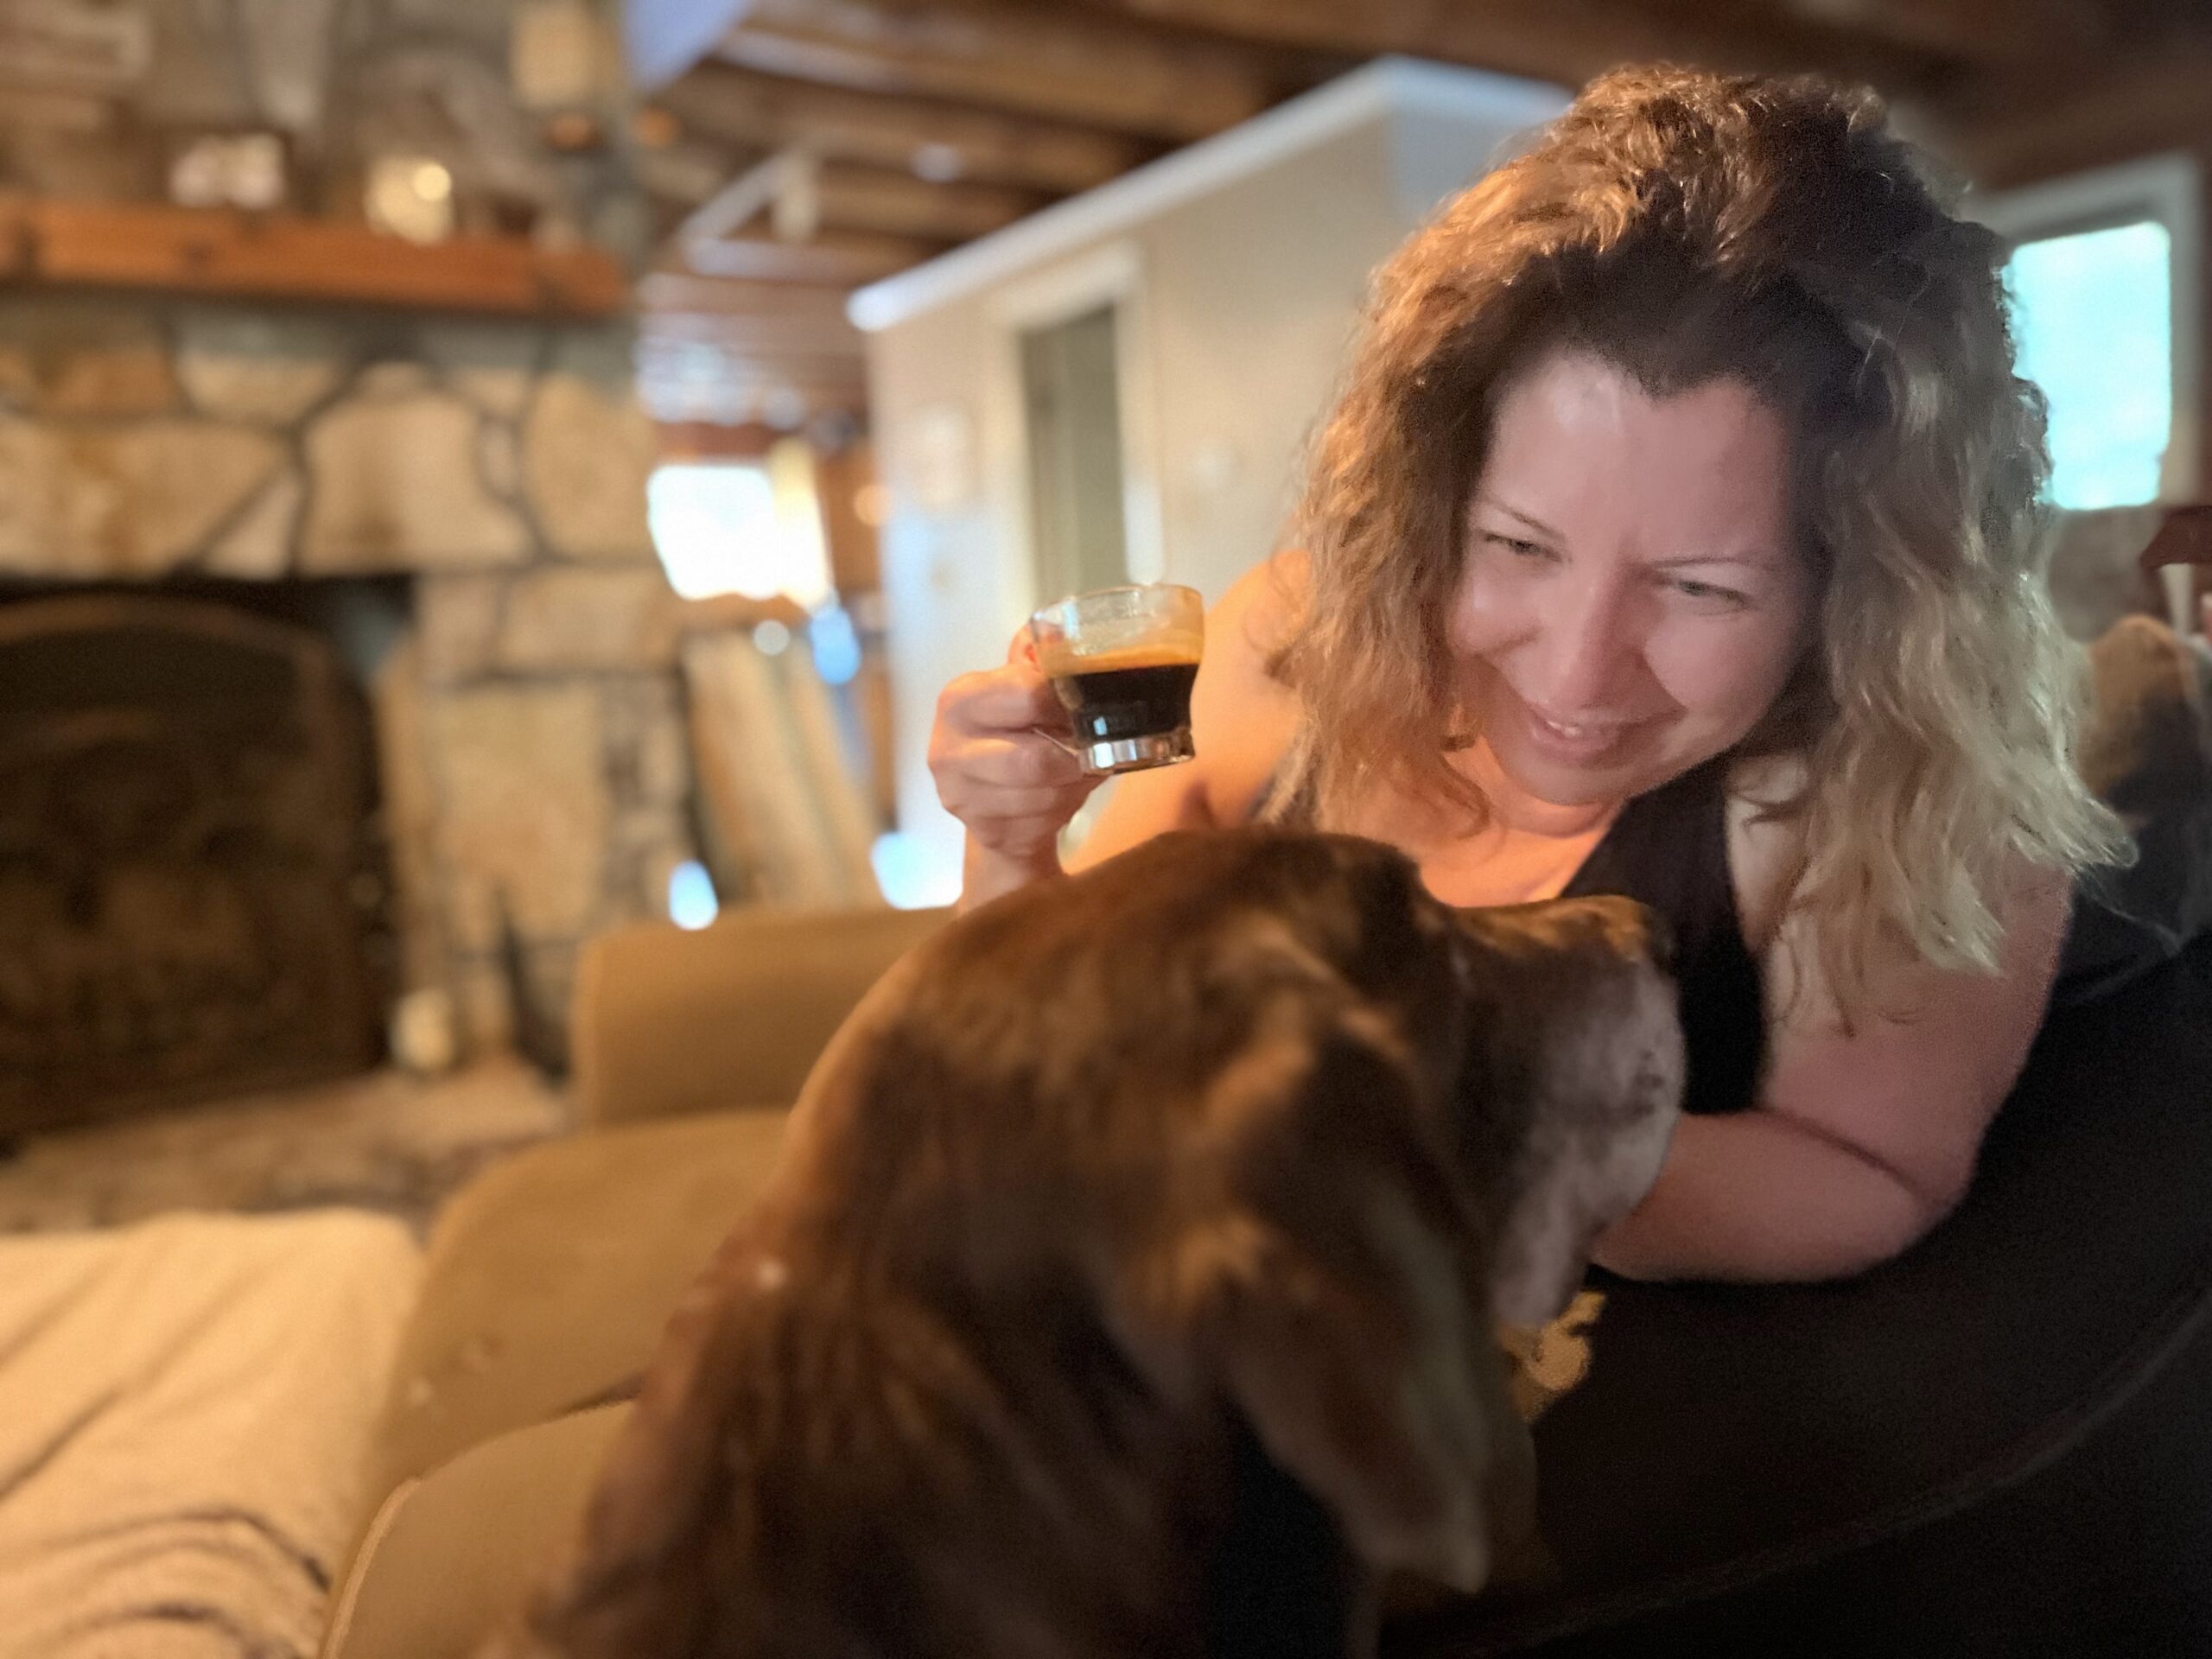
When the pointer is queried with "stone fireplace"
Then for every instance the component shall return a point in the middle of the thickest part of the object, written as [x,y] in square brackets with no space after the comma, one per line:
[336,643]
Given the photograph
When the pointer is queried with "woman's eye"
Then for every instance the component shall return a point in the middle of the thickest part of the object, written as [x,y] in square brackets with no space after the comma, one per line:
[1708,593]
[1519,549]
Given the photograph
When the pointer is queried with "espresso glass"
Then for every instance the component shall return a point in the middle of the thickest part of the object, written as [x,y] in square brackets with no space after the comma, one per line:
[1122,660]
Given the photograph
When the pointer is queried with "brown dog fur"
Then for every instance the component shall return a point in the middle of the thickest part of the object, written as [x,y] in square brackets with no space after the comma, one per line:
[1126,1210]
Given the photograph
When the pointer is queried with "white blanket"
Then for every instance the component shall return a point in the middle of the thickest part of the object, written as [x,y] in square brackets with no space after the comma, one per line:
[185,1410]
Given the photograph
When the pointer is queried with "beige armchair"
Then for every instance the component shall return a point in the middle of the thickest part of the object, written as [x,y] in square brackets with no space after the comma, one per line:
[550,1276]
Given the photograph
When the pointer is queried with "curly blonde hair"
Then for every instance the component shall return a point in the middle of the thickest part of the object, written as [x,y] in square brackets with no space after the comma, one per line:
[1688,227]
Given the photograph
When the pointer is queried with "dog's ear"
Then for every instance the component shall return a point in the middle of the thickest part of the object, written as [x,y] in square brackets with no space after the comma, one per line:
[1320,1271]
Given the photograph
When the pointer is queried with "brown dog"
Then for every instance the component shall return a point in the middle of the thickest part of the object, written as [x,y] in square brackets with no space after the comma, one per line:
[1128,1282]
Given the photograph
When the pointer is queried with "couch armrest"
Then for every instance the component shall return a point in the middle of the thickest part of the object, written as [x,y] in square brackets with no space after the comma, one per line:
[664,1022]
[550,1276]
[452,1557]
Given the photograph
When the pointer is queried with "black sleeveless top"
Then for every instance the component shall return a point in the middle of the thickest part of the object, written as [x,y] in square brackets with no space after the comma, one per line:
[1668,850]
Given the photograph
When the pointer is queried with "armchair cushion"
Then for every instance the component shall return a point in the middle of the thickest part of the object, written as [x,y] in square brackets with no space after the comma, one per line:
[550,1276]
[664,1022]
[451,1555]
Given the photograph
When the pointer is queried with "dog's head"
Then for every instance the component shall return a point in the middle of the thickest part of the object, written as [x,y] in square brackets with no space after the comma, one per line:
[1394,1125]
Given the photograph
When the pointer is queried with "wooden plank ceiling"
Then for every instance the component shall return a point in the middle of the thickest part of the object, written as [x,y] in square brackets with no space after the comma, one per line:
[817,145]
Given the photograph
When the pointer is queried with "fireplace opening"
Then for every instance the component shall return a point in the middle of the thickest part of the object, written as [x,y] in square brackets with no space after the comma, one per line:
[194,898]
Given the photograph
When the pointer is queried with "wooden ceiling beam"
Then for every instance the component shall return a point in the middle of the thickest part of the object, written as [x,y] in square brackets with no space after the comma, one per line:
[835,259]
[688,174]
[1973,31]
[735,390]
[763,113]
[721,366]
[1096,70]
[792,326]
[763,337]
[795,335]
[718,364]
[793,195]
[1536,37]
[856,198]
[680,293]
[2139,107]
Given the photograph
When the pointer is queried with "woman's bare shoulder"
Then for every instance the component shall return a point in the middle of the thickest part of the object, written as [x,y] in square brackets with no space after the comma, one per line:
[1766,841]
[1247,630]
[1243,715]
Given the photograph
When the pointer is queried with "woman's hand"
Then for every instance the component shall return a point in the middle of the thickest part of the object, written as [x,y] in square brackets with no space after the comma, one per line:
[1001,773]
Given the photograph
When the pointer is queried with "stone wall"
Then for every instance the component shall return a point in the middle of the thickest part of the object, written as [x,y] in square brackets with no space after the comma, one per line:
[537,775]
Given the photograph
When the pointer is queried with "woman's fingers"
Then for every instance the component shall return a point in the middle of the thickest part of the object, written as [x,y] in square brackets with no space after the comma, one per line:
[1013,698]
[998,767]
[1019,762]
[1012,782]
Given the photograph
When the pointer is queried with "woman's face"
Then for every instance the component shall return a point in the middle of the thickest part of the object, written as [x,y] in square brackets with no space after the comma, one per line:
[1631,602]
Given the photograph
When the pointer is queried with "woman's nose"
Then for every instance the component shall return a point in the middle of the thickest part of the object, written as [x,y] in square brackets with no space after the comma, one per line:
[1582,647]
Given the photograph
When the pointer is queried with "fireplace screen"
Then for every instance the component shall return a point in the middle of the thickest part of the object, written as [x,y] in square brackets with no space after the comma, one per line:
[184,893]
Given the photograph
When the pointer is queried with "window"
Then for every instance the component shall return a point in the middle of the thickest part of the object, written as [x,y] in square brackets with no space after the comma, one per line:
[2103,282]
[2095,314]
[752,527]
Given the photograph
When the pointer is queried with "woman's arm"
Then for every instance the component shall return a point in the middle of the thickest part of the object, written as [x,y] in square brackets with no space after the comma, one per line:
[1864,1139]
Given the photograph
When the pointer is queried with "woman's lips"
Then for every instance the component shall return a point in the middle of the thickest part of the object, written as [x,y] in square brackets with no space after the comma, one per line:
[1576,741]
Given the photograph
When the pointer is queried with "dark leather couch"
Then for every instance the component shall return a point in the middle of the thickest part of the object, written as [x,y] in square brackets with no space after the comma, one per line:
[1999,1445]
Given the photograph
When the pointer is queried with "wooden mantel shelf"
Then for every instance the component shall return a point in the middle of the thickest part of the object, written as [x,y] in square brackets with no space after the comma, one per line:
[50,242]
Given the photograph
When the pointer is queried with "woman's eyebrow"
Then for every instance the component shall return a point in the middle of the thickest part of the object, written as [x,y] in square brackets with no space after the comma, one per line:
[1535,524]
[1756,559]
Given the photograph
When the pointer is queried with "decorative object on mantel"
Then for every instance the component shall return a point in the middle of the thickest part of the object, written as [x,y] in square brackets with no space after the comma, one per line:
[212,251]
[245,170]
[415,106]
[409,196]
[565,68]
[334,108]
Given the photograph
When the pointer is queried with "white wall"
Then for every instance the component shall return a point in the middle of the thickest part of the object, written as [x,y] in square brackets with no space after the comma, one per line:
[1239,299]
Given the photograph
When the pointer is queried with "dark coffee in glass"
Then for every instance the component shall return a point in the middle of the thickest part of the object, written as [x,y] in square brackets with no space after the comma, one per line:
[1122,661]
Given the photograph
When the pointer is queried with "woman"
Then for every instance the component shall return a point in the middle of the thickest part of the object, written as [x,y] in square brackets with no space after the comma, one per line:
[1675,534]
